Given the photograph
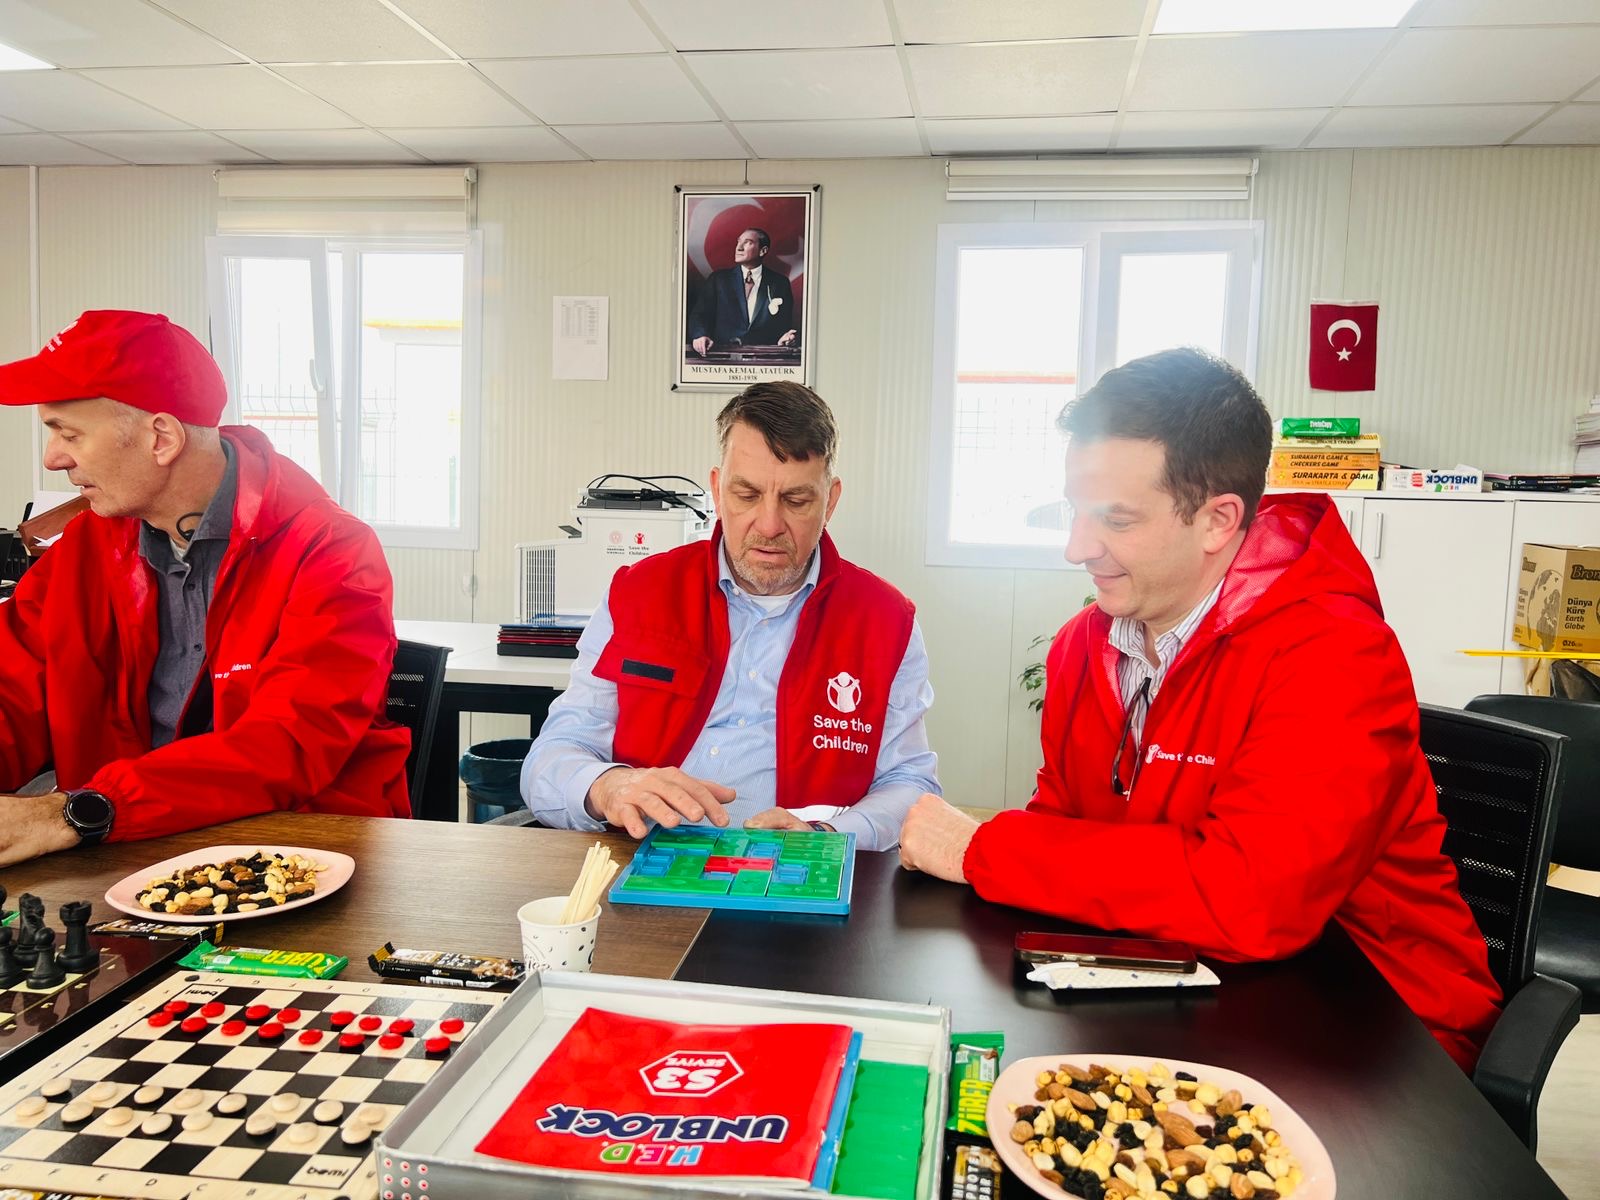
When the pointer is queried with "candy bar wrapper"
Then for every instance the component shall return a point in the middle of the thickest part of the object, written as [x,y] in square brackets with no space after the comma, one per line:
[133,927]
[974,1172]
[245,960]
[478,972]
[974,1064]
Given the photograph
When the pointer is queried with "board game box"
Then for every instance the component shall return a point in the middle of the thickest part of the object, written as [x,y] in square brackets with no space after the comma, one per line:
[699,866]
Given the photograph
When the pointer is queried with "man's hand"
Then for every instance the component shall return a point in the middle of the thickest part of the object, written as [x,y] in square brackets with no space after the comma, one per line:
[625,796]
[777,818]
[935,838]
[33,825]
[702,345]
[789,338]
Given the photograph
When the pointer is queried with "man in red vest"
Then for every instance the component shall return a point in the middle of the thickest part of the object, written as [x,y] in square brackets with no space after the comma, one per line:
[211,640]
[755,677]
[1230,731]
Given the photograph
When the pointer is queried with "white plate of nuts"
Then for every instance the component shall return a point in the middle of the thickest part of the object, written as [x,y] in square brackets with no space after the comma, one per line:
[231,883]
[1116,1126]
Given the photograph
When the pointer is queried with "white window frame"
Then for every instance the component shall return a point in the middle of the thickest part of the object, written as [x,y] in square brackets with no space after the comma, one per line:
[1103,244]
[341,460]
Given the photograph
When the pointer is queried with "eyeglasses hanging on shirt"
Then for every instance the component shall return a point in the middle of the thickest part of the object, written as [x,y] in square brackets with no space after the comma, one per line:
[1142,696]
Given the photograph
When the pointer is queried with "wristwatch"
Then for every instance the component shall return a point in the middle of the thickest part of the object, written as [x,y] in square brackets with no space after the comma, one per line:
[89,813]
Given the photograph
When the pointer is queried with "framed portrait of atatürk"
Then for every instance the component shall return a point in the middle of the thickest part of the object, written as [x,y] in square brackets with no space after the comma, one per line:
[746,287]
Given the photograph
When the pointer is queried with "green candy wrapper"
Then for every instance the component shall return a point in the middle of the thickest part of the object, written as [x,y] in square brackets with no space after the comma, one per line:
[974,1064]
[245,960]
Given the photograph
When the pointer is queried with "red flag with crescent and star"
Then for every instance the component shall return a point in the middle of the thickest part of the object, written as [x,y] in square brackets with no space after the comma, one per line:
[1344,347]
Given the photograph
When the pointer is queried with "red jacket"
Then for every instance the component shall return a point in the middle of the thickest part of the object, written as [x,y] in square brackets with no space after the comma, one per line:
[299,642]
[670,647]
[1281,784]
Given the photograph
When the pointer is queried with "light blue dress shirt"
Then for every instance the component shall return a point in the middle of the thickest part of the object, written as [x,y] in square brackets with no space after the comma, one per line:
[738,746]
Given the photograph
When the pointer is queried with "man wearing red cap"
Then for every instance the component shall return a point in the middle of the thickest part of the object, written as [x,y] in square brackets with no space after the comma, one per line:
[211,641]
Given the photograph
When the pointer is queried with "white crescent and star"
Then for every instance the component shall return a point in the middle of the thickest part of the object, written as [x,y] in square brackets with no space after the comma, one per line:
[1344,354]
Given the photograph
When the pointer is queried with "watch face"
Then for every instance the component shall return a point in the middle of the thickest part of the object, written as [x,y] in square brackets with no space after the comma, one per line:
[89,810]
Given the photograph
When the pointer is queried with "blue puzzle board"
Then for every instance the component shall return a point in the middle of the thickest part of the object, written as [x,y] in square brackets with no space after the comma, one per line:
[763,870]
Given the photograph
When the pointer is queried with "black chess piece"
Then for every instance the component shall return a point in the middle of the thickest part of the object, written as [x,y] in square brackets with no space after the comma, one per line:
[11,972]
[30,920]
[77,955]
[2,903]
[47,972]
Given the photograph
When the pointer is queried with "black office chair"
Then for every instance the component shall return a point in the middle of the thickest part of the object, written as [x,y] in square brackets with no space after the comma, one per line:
[1569,926]
[416,683]
[1498,783]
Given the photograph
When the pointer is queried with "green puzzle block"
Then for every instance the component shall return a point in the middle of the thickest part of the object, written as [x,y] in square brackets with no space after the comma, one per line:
[698,887]
[750,883]
[685,867]
[730,845]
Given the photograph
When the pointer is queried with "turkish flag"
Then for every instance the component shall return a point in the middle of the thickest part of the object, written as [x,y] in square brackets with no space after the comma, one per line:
[1344,347]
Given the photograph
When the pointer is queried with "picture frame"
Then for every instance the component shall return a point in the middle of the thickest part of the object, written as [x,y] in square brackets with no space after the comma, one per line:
[730,331]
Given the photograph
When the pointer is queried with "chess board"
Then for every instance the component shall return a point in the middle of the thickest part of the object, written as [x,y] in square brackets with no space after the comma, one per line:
[276,1045]
[697,866]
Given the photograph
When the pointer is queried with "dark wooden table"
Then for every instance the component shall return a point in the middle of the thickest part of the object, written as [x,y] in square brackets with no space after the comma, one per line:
[419,884]
[1323,1030]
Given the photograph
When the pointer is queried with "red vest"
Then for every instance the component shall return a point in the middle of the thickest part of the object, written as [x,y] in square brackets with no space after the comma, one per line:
[670,649]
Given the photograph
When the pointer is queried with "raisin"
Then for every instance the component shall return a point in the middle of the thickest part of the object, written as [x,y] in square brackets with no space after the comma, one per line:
[1186,1076]
[1065,1126]
[1204,1131]
[1027,1112]
[1126,1137]
[1243,1142]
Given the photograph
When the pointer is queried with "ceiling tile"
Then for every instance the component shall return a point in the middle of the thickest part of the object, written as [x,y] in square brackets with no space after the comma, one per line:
[1470,66]
[530,28]
[1020,79]
[1270,129]
[1481,125]
[1214,72]
[55,100]
[890,137]
[654,141]
[1574,125]
[419,95]
[307,30]
[1015,20]
[321,145]
[528,143]
[602,91]
[742,25]
[13,127]
[802,85]
[104,33]
[1507,12]
[164,148]
[1020,135]
[241,97]
[42,150]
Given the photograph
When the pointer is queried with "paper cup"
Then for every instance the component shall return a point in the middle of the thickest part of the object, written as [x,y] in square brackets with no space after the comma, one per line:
[549,945]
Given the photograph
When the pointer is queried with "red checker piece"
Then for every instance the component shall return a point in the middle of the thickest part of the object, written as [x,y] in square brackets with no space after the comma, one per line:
[371,1024]
[452,1025]
[212,1010]
[289,1015]
[158,1019]
[402,1025]
[391,1041]
[257,1013]
[176,1007]
[310,1037]
[233,1028]
[437,1045]
[349,1041]
[270,1032]
[193,1024]
[341,1018]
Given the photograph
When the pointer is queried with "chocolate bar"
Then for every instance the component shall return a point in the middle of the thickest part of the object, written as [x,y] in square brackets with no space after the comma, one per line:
[974,1064]
[246,960]
[132,927]
[447,968]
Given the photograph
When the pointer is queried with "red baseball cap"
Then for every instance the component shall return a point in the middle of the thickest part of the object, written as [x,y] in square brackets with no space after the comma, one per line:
[141,359]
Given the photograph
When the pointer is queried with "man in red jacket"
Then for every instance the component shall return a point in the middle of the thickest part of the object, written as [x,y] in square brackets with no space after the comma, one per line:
[1230,731]
[211,640]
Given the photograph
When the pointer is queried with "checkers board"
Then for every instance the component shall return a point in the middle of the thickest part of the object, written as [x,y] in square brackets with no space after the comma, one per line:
[172,1080]
[698,866]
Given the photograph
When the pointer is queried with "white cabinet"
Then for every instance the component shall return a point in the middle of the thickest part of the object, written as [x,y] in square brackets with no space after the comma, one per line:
[1441,567]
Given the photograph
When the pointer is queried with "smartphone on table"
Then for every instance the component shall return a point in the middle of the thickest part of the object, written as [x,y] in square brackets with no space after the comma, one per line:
[1130,954]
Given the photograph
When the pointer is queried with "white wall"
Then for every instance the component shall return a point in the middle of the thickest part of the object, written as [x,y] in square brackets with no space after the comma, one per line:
[1486,264]
[16,448]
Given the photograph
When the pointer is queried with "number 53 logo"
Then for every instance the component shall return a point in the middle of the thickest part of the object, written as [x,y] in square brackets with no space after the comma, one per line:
[690,1073]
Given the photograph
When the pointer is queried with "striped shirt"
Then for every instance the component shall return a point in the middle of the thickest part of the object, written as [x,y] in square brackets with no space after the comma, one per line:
[1133,668]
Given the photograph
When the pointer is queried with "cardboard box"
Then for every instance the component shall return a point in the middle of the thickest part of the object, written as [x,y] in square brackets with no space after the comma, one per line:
[1558,599]
[1568,678]
[1320,427]
[1326,464]
[1431,479]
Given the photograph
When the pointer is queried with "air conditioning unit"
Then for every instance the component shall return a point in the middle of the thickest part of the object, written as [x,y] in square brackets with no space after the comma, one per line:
[618,520]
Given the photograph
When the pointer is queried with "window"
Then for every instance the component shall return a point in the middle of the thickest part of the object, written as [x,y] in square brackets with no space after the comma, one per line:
[358,358]
[1028,316]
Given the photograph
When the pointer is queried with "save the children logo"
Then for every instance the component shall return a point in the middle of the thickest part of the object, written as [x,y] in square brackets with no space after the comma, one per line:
[844,692]
[690,1073]
[1156,753]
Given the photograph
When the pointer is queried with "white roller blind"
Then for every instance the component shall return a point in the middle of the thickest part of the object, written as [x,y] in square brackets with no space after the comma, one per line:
[1099,177]
[382,202]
